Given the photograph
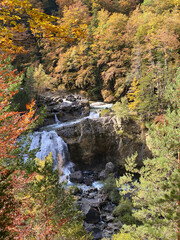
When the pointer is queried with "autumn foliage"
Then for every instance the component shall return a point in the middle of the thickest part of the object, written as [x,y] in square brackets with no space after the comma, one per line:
[12,124]
[33,205]
[125,51]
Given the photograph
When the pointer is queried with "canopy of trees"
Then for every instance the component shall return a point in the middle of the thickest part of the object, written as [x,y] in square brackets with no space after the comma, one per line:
[114,50]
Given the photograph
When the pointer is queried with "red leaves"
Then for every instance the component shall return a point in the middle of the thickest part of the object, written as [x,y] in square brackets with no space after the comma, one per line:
[161,120]
[12,124]
[15,222]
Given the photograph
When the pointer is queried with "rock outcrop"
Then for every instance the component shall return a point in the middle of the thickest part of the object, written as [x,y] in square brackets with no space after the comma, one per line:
[63,108]
[97,141]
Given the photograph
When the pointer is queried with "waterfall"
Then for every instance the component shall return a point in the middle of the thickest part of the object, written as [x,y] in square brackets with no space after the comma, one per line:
[50,142]
[56,119]
[47,140]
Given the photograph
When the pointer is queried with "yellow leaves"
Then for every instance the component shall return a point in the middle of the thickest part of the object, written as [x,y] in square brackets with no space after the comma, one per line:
[38,177]
[10,22]
[40,163]
[123,236]
[72,26]
[133,95]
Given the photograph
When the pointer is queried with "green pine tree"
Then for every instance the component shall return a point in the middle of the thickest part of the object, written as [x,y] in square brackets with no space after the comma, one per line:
[156,195]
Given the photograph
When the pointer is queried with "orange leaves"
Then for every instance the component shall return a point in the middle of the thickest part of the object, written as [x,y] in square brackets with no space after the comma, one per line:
[12,124]
[14,208]
[161,120]
[16,15]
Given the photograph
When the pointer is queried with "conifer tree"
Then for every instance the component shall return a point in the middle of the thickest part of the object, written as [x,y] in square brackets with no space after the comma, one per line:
[156,195]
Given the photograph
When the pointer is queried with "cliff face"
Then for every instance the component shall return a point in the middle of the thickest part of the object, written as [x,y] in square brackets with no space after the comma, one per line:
[97,141]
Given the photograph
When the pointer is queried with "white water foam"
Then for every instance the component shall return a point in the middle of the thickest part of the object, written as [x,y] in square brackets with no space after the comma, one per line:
[100,105]
[50,142]
[47,140]
[98,185]
[92,115]
[56,119]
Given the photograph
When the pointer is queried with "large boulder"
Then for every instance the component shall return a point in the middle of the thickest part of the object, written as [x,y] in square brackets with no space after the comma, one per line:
[103,175]
[93,215]
[76,177]
[98,141]
[109,167]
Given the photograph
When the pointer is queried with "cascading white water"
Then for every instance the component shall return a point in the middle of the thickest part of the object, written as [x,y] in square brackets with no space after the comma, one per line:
[50,142]
[56,119]
[100,105]
[59,124]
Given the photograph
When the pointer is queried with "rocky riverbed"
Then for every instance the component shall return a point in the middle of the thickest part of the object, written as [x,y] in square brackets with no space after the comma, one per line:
[94,202]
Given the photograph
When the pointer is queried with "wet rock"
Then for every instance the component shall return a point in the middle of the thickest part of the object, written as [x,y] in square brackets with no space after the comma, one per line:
[76,177]
[109,167]
[104,226]
[92,195]
[92,216]
[103,175]
[65,111]
[88,203]
[88,180]
[107,234]
[114,227]
[103,217]
[96,233]
[109,218]
[71,98]
[108,208]
[89,191]
[77,191]
[64,106]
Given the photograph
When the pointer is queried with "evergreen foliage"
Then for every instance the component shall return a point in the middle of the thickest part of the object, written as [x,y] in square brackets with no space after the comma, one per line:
[110,188]
[124,212]
[156,194]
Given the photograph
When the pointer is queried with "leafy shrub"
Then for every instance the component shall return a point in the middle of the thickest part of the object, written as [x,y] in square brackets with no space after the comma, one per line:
[124,212]
[121,109]
[105,112]
[111,189]
[122,236]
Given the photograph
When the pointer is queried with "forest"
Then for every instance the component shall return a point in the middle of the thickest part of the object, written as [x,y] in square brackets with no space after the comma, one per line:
[119,52]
